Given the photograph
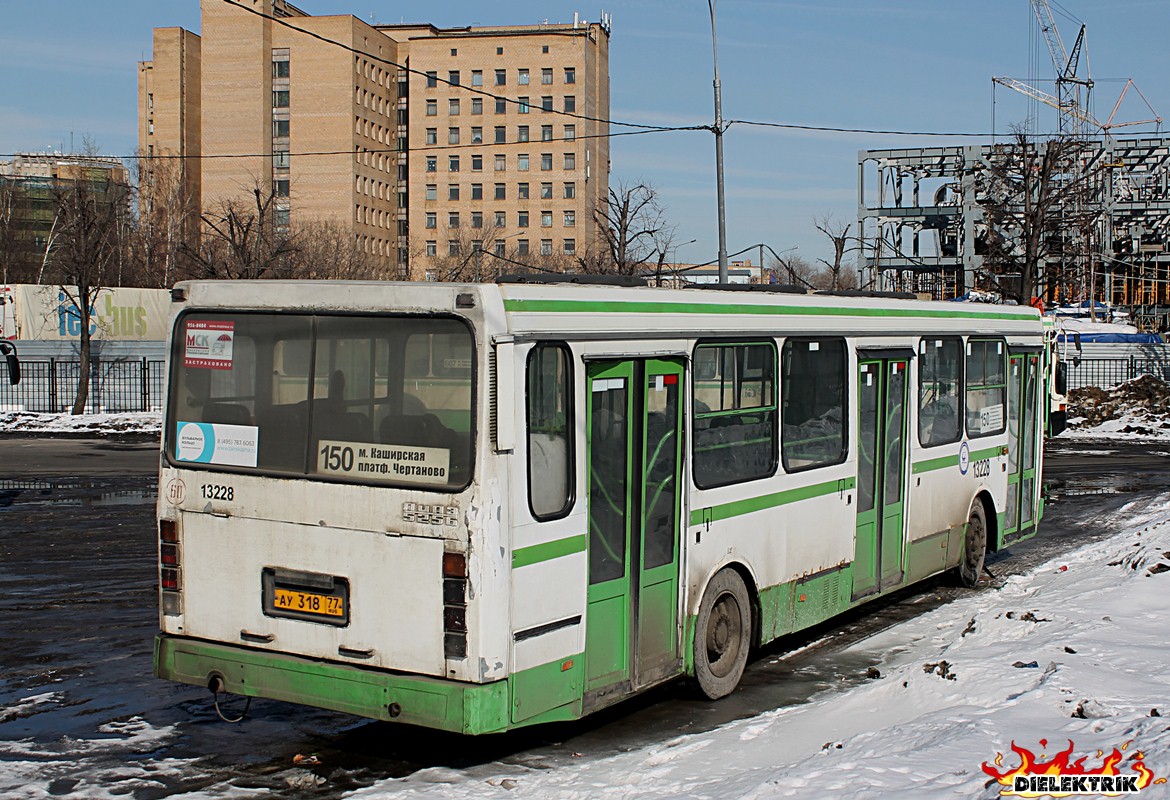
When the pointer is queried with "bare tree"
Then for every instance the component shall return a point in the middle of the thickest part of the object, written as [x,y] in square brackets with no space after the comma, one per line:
[91,226]
[328,250]
[1041,206]
[634,234]
[243,239]
[842,243]
[795,269]
[168,221]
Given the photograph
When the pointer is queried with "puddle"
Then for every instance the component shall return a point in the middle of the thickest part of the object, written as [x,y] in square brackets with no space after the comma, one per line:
[73,492]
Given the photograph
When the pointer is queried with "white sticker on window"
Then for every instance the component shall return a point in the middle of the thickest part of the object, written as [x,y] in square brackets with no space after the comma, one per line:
[213,443]
[208,344]
[991,418]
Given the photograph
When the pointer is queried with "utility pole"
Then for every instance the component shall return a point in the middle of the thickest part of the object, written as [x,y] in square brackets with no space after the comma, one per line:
[719,151]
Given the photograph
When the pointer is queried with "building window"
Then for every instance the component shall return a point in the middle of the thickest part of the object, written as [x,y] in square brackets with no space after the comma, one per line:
[477,191]
[477,105]
[452,163]
[544,48]
[570,74]
[986,387]
[282,218]
[545,161]
[499,51]
[522,191]
[522,162]
[280,98]
[522,133]
[522,77]
[546,76]
[522,247]
[501,134]
[432,136]
[550,429]
[522,219]
[432,191]
[500,249]
[570,133]
[453,247]
[501,219]
[501,74]
[939,378]
[570,160]
[452,191]
[280,128]
[546,191]
[432,248]
[501,162]
[453,106]
[477,163]
[501,192]
[570,219]
[522,105]
[432,163]
[432,108]
[432,80]
[546,247]
[501,105]
[280,69]
[546,133]
[570,247]
[570,103]
[570,190]
[454,52]
[453,77]
[546,219]
[280,159]
[477,216]
[477,135]
[280,188]
[734,405]
[477,245]
[431,221]
[452,136]
[453,219]
[477,77]
[546,103]
[814,390]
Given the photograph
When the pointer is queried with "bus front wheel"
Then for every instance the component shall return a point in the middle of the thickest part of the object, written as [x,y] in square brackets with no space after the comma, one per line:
[722,634]
[974,546]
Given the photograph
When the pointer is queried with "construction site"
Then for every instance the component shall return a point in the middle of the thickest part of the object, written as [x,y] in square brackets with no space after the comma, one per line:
[1078,214]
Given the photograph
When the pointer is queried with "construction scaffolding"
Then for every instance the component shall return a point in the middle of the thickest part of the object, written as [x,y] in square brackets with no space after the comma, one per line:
[926,222]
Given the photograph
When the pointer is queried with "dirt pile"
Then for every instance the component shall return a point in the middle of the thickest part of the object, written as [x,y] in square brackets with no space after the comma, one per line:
[1145,400]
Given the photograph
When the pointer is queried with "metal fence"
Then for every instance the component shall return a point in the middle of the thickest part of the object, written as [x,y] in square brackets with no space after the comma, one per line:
[1106,372]
[50,385]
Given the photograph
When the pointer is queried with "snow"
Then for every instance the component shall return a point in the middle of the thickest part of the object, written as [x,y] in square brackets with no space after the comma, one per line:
[149,422]
[1074,651]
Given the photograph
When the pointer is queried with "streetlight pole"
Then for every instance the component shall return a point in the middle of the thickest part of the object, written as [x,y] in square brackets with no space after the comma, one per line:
[719,151]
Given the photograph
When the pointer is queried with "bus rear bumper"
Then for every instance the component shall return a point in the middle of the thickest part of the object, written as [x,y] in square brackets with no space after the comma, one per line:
[414,699]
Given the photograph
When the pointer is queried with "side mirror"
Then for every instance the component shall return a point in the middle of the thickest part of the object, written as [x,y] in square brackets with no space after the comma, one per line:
[1062,377]
[9,351]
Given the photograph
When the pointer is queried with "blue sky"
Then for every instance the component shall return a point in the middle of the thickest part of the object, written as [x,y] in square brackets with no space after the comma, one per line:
[67,68]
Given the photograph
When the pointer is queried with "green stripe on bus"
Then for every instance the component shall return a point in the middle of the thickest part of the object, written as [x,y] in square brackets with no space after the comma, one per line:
[931,464]
[654,307]
[752,504]
[546,551]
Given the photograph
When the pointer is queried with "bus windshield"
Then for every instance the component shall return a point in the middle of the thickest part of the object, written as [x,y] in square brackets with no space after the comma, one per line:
[383,399]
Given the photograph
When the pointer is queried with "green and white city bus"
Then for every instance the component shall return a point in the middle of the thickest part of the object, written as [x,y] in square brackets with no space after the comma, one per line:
[478,507]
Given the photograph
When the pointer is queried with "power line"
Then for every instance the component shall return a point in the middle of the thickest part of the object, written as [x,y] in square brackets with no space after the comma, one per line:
[866,131]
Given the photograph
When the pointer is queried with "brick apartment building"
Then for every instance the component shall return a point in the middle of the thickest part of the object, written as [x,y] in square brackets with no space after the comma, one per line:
[429,143]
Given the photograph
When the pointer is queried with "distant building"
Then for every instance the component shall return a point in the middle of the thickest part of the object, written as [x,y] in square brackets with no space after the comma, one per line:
[29,187]
[428,143]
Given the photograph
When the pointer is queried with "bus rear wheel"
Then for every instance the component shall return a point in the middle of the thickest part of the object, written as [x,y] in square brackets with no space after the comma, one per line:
[722,635]
[974,547]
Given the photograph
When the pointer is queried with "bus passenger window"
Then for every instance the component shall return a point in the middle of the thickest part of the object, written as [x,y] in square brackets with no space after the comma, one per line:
[735,413]
[986,387]
[813,384]
[549,419]
[939,378]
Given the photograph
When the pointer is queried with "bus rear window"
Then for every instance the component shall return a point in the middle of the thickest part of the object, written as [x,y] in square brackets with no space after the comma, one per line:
[372,399]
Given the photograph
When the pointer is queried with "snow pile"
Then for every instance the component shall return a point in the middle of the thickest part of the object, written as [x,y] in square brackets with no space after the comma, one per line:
[103,424]
[1140,407]
[1074,652]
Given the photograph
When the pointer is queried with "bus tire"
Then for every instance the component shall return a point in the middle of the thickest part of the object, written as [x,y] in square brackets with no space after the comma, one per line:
[974,546]
[722,634]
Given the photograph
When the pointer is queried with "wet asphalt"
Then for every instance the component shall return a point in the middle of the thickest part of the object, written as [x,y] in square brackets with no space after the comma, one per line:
[77,618]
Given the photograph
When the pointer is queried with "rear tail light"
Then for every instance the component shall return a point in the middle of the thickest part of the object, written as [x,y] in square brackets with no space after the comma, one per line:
[454,605]
[170,575]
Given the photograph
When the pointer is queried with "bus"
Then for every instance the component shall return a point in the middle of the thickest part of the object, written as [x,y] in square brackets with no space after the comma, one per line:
[480,507]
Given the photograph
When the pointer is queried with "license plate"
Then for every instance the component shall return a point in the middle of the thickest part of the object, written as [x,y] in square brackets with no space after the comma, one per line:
[308,603]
